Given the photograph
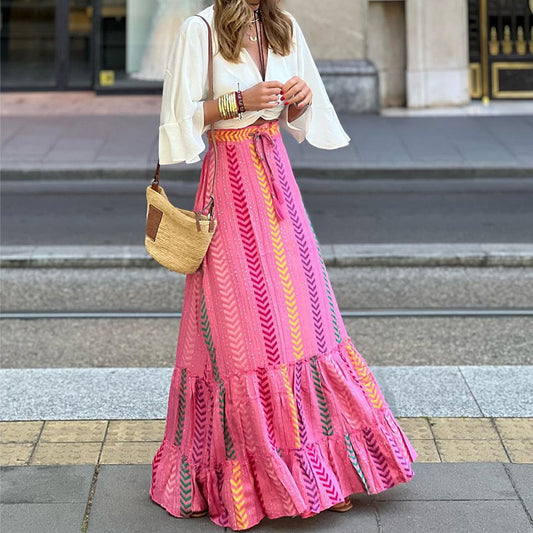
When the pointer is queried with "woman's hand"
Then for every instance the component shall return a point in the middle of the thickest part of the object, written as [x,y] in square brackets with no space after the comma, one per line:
[296,91]
[262,96]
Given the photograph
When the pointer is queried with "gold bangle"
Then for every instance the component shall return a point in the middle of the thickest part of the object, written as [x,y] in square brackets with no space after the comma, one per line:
[227,105]
[226,112]
[232,107]
[220,107]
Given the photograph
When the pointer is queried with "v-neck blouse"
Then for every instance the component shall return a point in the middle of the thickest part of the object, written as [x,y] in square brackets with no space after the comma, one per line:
[185,88]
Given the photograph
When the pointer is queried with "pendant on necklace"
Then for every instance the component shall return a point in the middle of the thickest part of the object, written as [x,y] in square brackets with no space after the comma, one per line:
[250,36]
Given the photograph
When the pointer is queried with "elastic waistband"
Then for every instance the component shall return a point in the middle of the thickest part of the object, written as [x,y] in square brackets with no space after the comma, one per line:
[241,134]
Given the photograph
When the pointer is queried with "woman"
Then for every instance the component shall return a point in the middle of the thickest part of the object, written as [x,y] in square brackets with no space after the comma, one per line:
[272,411]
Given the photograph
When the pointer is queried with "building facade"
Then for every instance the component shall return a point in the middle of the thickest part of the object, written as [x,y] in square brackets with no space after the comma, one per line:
[372,53]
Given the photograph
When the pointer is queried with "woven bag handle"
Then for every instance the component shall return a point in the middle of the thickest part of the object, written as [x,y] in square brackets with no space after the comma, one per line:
[155,181]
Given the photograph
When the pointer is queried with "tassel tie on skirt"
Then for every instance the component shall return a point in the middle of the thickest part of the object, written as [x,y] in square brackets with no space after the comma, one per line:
[263,139]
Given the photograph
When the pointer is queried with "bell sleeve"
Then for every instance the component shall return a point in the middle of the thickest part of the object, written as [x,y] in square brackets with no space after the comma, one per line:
[184,90]
[319,123]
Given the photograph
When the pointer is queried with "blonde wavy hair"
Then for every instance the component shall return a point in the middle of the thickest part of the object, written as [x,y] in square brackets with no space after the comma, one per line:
[231,17]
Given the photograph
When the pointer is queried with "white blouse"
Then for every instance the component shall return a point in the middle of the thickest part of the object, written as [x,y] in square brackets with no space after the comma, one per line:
[185,88]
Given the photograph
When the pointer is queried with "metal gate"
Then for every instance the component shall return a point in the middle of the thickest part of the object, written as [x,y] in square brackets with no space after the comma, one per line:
[501,48]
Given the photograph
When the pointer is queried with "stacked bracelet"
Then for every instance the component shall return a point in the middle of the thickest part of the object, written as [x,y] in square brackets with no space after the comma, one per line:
[227,105]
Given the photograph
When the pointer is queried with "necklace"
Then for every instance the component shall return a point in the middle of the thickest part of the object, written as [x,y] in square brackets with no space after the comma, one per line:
[255,20]
[259,38]
[251,36]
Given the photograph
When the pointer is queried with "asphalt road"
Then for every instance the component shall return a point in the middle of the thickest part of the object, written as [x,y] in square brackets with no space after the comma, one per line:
[483,210]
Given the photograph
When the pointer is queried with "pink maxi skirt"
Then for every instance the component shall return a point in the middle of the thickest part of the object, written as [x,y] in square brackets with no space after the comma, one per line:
[272,411]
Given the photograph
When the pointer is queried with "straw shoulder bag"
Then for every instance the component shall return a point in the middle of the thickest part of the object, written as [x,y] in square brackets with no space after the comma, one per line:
[176,238]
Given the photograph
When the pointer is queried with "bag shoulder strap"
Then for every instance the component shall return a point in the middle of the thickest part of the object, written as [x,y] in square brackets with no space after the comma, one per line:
[155,181]
[210,60]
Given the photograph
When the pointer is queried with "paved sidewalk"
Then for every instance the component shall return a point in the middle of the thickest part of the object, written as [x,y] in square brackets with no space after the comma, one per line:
[86,136]
[59,476]
[142,393]
[119,441]
[470,496]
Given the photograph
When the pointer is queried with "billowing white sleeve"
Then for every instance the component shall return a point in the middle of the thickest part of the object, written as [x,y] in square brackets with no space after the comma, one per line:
[319,123]
[184,90]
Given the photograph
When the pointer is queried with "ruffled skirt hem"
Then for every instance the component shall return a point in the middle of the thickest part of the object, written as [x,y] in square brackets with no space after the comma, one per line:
[264,458]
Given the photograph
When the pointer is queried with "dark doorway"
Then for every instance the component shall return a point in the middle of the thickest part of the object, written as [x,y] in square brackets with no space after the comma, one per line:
[47,44]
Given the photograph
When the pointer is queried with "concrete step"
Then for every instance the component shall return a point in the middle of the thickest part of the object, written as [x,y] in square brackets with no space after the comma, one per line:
[337,255]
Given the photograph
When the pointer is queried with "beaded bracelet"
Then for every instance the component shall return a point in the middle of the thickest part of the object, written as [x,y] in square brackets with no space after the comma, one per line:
[240,103]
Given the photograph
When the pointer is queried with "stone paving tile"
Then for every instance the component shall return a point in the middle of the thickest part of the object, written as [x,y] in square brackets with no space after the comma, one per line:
[122,503]
[415,428]
[435,391]
[453,517]
[427,450]
[136,441]
[16,454]
[43,517]
[20,431]
[142,393]
[501,391]
[73,431]
[520,451]
[362,516]
[46,484]
[462,450]
[463,428]
[66,453]
[522,478]
[515,428]
[129,452]
[456,481]
[61,393]
[451,498]
[135,430]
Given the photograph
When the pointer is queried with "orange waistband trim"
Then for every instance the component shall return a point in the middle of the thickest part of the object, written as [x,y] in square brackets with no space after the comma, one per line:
[241,134]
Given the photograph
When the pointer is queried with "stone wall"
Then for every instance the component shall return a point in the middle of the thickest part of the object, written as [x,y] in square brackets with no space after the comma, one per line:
[334,29]
[386,48]
[397,52]
[437,53]
[336,34]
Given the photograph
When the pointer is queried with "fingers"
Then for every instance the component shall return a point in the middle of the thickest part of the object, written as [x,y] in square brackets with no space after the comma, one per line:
[273,85]
[289,84]
[292,86]
[306,100]
[271,88]
[272,93]
[296,91]
[300,98]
